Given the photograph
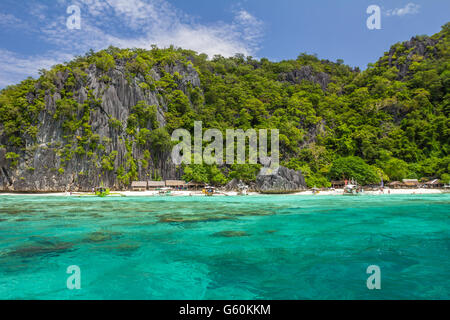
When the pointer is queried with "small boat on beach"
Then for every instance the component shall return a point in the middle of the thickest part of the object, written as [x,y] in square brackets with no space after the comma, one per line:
[209,191]
[353,189]
[165,192]
[102,192]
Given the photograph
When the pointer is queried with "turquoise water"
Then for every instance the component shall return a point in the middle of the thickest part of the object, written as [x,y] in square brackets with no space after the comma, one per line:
[257,247]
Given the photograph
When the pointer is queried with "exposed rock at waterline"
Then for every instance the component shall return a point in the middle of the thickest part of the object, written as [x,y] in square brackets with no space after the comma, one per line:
[235,185]
[279,181]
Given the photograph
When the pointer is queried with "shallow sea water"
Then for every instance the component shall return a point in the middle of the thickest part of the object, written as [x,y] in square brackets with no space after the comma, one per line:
[255,247]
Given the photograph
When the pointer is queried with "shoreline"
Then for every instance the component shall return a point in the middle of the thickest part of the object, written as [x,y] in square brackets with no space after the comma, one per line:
[337,192]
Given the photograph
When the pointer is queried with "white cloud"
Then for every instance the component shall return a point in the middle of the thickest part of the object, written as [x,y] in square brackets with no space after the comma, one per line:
[134,23]
[10,21]
[15,68]
[251,27]
[410,8]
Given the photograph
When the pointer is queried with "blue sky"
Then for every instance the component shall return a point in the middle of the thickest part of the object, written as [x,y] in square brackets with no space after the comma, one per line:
[34,35]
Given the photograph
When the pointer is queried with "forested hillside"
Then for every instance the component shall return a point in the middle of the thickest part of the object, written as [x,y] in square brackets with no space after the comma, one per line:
[108,116]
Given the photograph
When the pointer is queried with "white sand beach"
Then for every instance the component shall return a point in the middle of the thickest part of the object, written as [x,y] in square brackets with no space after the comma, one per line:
[386,191]
[336,192]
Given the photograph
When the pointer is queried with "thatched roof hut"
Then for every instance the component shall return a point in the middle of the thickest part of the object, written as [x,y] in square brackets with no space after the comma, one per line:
[435,183]
[139,185]
[410,182]
[395,184]
[156,184]
[195,185]
[176,183]
[338,184]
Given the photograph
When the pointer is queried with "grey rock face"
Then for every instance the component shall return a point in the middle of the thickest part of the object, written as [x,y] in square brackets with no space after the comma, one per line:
[232,185]
[307,73]
[235,185]
[415,46]
[40,167]
[281,180]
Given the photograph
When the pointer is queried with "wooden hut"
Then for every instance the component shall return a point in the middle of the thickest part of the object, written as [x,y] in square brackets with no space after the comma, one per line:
[139,185]
[410,183]
[338,184]
[176,184]
[155,185]
[434,184]
[395,184]
[192,185]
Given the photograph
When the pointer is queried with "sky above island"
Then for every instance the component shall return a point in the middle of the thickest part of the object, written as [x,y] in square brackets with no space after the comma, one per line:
[34,34]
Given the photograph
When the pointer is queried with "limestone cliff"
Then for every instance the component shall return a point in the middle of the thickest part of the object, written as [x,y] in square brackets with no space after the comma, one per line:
[51,161]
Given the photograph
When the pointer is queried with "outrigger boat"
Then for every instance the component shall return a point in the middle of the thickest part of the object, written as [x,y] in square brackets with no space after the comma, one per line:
[165,192]
[352,189]
[105,192]
[102,192]
[446,188]
[209,191]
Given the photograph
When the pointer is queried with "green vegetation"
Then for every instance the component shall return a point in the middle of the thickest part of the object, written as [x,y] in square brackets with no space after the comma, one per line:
[104,61]
[390,121]
[13,157]
[205,174]
[354,167]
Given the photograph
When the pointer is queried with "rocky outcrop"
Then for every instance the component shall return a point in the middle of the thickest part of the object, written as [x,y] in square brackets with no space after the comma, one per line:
[279,181]
[235,185]
[422,46]
[232,185]
[40,167]
[307,73]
